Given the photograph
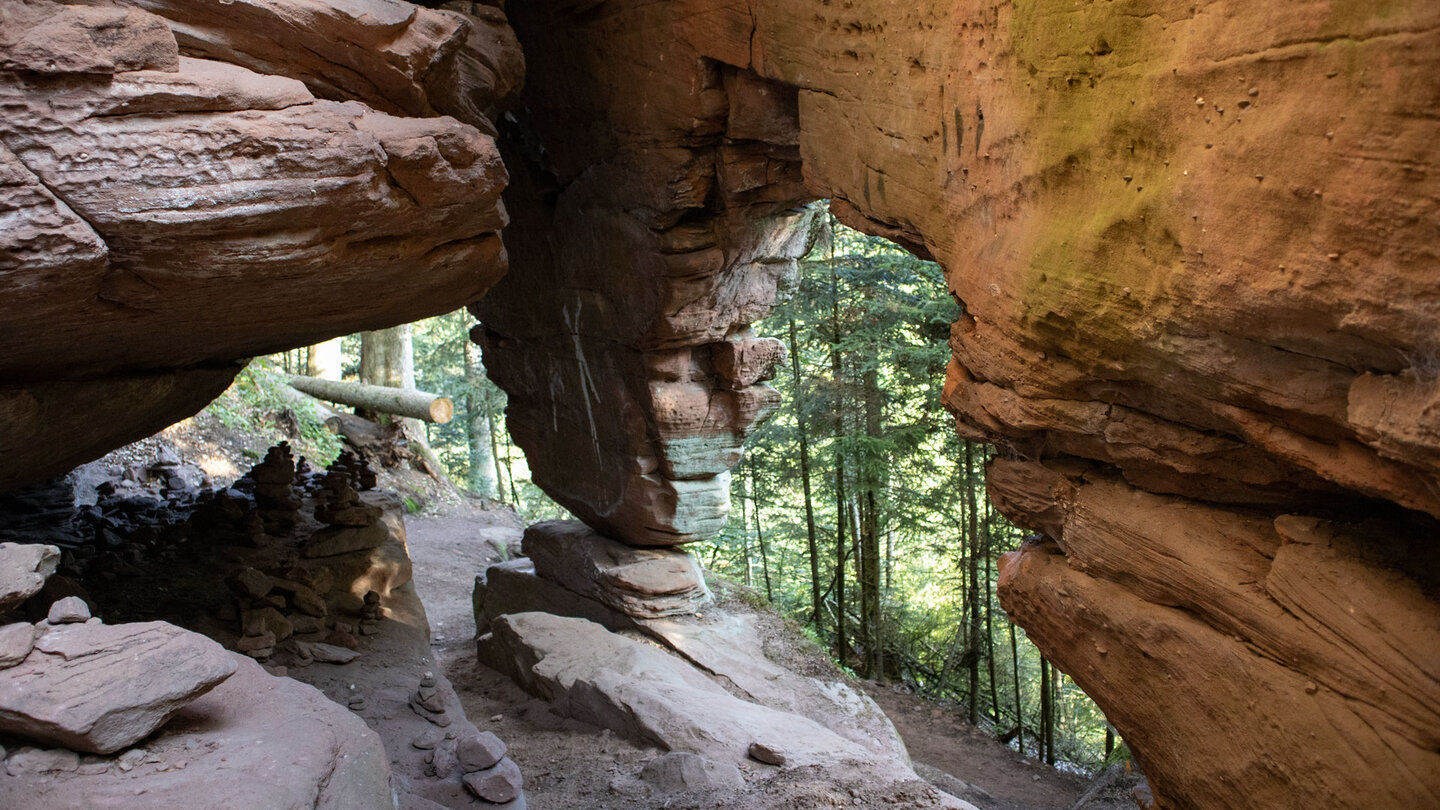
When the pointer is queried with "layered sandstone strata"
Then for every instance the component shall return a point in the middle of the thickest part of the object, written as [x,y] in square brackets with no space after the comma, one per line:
[188,189]
[656,216]
[1196,251]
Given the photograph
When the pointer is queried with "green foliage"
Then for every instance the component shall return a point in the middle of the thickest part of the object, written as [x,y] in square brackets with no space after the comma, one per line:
[871,327]
[259,400]
[446,362]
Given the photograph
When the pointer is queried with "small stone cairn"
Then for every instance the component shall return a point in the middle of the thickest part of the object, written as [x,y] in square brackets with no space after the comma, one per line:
[350,524]
[275,498]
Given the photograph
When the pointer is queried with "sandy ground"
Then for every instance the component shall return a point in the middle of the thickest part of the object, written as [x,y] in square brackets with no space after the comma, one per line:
[570,765]
[939,738]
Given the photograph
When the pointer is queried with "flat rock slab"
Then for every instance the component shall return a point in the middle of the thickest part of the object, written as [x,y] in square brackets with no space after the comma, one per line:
[640,582]
[254,741]
[514,587]
[647,694]
[729,645]
[333,540]
[327,653]
[23,571]
[100,688]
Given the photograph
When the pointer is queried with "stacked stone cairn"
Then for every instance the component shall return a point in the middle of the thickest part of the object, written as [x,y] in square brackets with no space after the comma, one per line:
[275,500]
[371,613]
[307,478]
[290,600]
[427,702]
[477,757]
[350,523]
[228,517]
[362,475]
[488,773]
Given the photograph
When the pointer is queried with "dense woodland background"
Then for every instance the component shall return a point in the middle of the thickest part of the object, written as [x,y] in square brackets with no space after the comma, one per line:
[859,513]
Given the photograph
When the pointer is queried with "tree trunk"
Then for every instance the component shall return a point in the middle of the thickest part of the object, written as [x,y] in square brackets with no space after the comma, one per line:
[870,532]
[745,527]
[1047,714]
[987,532]
[479,433]
[387,357]
[811,545]
[510,476]
[973,638]
[1015,669]
[379,399]
[842,644]
[326,360]
[861,640]
[759,534]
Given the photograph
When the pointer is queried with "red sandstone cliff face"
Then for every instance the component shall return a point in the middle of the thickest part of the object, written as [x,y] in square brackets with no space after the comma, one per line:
[655,217]
[223,181]
[1196,247]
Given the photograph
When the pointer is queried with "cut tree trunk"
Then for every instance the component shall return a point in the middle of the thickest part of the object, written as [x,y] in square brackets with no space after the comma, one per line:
[379,398]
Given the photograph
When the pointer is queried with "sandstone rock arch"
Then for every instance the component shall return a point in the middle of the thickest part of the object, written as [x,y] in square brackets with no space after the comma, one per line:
[1197,264]
[1196,245]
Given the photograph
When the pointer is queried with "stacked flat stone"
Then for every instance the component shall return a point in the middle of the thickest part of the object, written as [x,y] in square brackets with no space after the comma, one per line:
[488,773]
[228,517]
[277,605]
[371,613]
[350,523]
[307,478]
[275,498]
[361,475]
[429,703]
[167,469]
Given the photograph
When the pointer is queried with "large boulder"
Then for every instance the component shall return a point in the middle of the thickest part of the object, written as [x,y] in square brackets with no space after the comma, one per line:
[640,582]
[24,568]
[99,688]
[652,697]
[254,741]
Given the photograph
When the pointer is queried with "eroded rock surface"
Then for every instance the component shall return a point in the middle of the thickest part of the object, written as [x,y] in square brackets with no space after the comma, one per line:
[23,571]
[185,189]
[653,227]
[99,688]
[1297,625]
[641,583]
[1195,246]
[253,741]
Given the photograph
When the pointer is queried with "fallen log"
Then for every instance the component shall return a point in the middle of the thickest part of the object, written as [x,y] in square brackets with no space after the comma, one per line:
[382,399]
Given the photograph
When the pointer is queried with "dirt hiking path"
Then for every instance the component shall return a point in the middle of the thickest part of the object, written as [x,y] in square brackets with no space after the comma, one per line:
[569,765]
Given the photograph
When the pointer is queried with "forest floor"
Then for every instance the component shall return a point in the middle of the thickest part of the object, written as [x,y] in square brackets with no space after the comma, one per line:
[568,764]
